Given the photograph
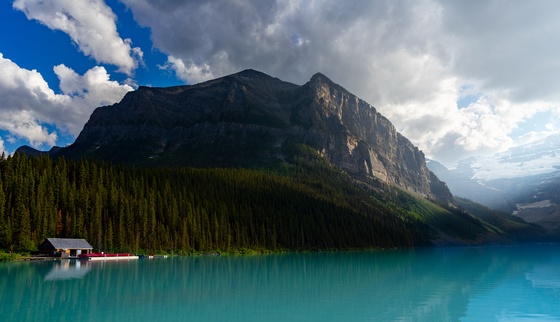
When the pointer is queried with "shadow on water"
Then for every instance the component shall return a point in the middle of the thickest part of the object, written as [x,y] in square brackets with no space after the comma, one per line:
[420,285]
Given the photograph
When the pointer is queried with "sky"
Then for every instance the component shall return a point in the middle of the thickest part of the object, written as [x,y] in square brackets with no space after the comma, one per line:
[457,78]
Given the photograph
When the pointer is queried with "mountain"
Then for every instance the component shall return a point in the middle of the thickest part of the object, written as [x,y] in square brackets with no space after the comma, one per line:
[523,181]
[461,183]
[251,120]
[310,166]
[27,150]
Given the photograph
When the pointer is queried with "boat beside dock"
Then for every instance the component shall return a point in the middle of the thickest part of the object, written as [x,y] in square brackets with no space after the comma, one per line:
[104,256]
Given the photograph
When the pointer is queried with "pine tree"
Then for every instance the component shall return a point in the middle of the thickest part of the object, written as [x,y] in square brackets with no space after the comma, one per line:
[3,222]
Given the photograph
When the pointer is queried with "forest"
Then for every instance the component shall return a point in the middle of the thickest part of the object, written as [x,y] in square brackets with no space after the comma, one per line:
[310,206]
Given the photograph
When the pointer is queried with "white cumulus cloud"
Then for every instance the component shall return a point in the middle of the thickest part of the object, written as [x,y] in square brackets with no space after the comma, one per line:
[190,72]
[2,148]
[91,25]
[29,104]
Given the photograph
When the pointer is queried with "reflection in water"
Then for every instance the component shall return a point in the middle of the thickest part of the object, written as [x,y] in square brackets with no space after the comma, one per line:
[545,276]
[419,285]
[67,269]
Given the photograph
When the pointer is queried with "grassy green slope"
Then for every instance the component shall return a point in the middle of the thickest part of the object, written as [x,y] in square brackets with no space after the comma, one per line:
[430,220]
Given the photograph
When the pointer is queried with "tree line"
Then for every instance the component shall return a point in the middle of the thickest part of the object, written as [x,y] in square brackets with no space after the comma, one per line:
[190,210]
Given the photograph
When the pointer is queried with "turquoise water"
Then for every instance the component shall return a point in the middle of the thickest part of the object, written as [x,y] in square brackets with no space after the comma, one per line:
[520,283]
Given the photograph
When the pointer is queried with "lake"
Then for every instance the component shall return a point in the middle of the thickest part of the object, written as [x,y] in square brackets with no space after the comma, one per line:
[516,283]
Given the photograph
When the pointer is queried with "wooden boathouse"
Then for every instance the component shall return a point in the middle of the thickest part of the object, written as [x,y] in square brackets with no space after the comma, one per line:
[65,247]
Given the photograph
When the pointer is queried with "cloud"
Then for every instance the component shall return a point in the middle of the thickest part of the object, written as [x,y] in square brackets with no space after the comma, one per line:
[25,124]
[511,46]
[86,92]
[412,60]
[190,72]
[29,104]
[2,148]
[90,24]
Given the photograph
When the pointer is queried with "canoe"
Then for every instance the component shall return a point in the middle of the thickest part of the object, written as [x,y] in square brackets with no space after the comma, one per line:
[104,256]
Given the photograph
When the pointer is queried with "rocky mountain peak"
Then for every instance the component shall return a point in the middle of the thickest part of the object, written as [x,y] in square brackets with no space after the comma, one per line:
[319,78]
[251,74]
[321,84]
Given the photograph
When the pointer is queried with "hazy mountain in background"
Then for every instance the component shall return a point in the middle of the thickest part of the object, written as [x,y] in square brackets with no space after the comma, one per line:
[524,181]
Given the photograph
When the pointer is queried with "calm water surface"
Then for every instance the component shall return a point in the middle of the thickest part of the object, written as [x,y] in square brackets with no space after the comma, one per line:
[520,283]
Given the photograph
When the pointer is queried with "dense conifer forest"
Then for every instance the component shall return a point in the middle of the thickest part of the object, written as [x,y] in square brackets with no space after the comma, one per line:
[308,206]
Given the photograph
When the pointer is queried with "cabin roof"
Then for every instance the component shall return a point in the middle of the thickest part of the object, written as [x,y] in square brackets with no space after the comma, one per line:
[69,243]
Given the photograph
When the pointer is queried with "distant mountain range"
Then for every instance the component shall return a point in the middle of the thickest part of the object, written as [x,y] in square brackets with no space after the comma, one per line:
[523,181]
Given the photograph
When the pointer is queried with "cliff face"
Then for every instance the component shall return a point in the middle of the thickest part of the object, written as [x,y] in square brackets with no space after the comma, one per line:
[355,137]
[244,119]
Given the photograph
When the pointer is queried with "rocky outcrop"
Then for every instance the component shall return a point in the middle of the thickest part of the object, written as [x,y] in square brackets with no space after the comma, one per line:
[355,137]
[242,120]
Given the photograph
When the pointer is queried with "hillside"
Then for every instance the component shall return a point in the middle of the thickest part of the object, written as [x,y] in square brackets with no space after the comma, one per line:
[313,206]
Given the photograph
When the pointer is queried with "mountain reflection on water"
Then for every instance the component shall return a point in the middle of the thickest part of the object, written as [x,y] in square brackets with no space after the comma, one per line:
[451,284]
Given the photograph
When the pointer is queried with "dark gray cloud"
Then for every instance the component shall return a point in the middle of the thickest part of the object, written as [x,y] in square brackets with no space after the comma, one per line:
[410,59]
[348,41]
[511,46]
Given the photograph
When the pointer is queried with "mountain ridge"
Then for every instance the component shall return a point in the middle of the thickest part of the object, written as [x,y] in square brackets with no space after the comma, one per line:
[244,119]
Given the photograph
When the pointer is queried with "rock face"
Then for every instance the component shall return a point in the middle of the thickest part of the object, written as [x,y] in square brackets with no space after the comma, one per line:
[245,119]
